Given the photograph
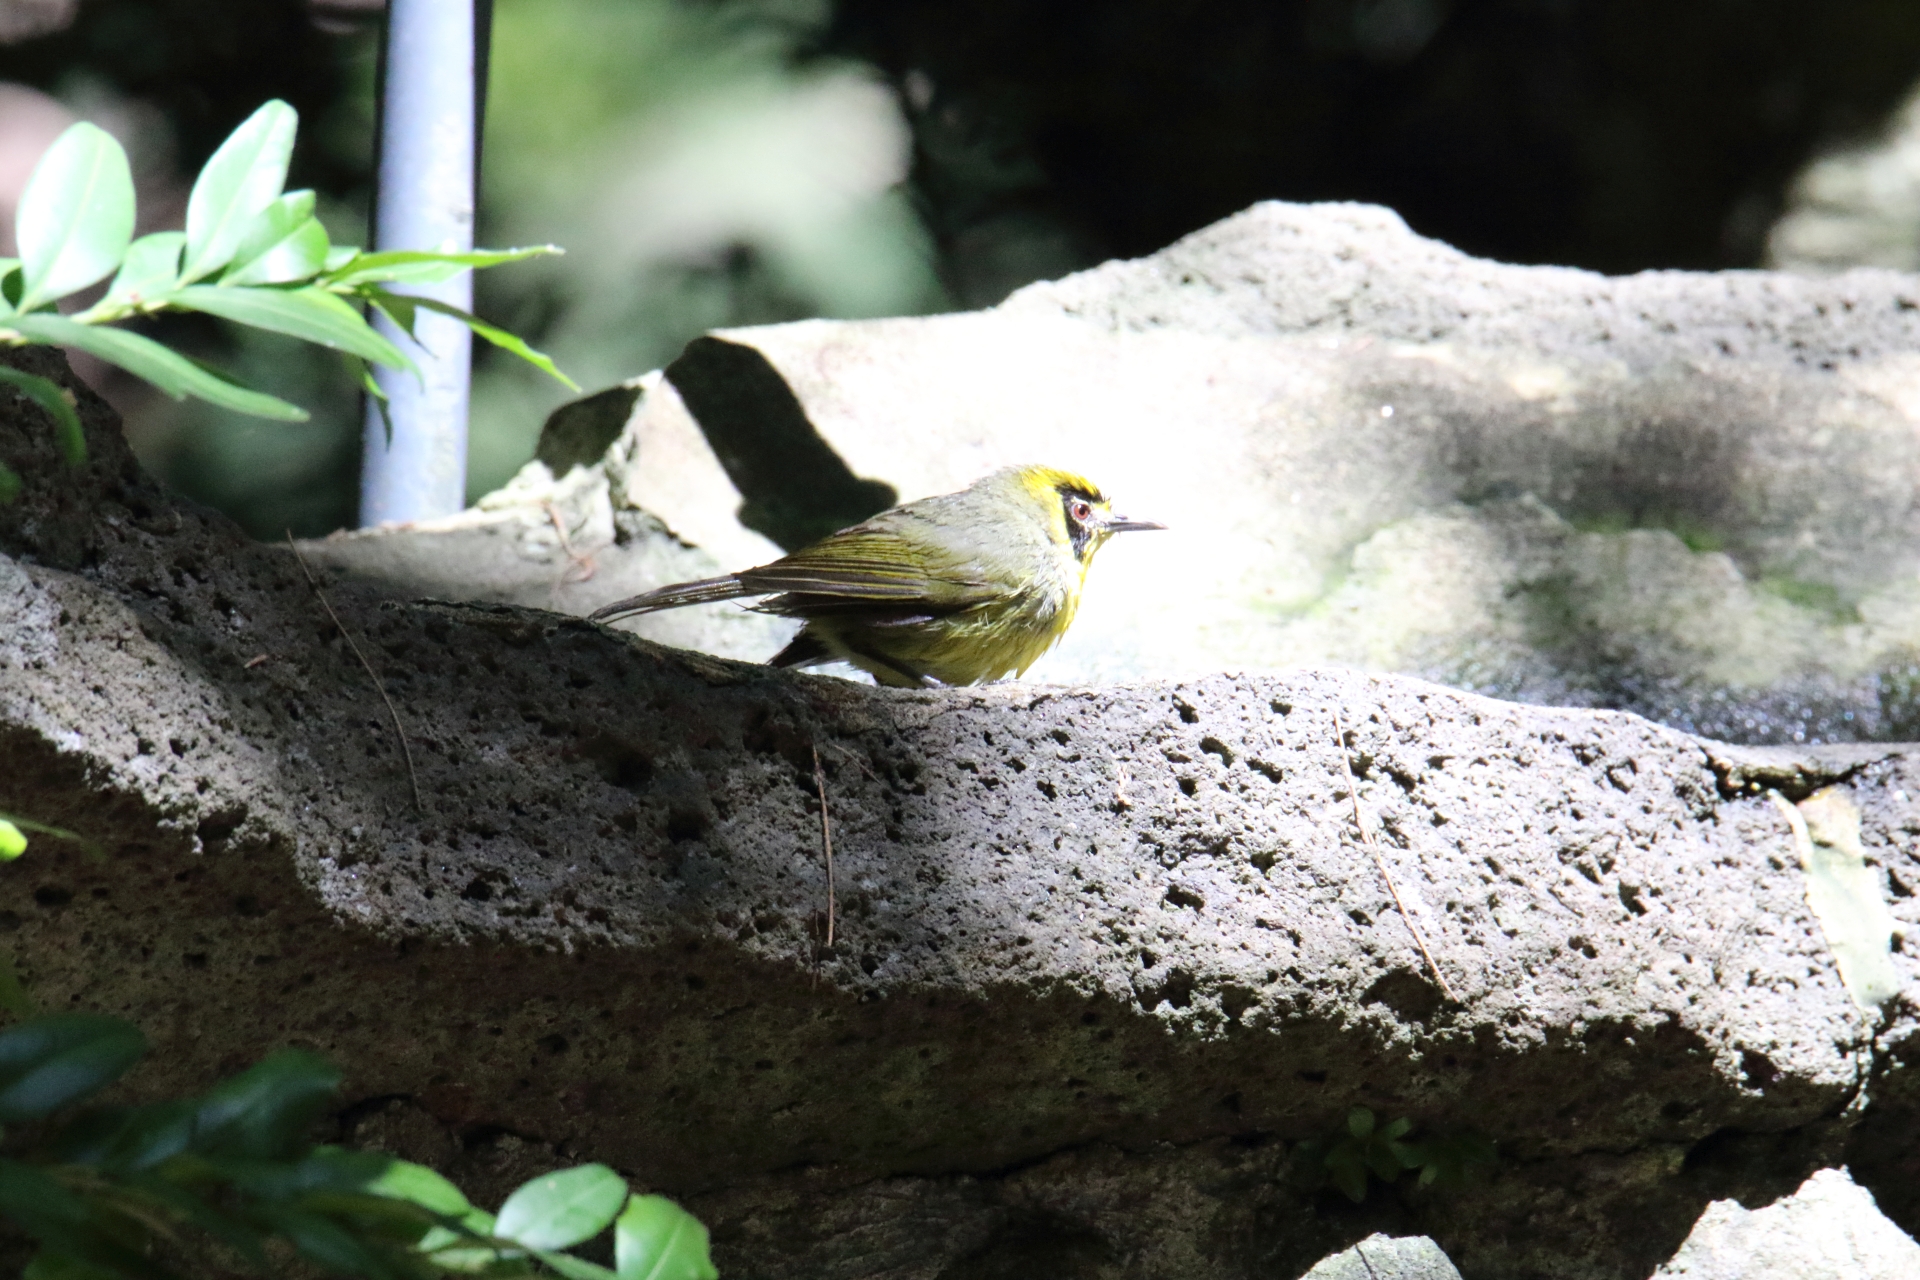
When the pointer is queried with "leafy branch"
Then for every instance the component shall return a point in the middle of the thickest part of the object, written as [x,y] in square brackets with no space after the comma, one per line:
[251,253]
[227,1180]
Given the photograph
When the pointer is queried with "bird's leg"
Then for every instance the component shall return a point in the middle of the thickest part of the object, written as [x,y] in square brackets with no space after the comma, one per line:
[916,679]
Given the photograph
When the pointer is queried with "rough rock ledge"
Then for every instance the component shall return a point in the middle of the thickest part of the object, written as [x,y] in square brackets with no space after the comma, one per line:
[1101,955]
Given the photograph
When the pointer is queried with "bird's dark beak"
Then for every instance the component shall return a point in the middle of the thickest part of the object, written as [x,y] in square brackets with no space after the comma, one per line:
[1120,524]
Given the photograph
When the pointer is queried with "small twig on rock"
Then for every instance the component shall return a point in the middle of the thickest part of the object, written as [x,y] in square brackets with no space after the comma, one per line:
[1366,838]
[826,838]
[398,732]
[854,760]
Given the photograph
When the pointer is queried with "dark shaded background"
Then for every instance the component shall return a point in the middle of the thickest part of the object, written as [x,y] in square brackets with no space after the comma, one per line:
[1617,135]
[206,64]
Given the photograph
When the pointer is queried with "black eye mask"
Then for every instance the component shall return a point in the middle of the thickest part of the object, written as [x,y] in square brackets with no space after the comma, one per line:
[1079,535]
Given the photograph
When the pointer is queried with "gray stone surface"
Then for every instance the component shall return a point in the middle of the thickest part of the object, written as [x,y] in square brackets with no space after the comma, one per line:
[1829,1229]
[1384,1257]
[1688,495]
[1857,205]
[1102,956]
[553,541]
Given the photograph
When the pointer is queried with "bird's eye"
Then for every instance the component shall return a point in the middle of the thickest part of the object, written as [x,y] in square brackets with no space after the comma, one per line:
[1081,510]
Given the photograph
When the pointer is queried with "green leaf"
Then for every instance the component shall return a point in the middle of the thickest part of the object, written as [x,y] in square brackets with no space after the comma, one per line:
[1360,1123]
[498,337]
[475,1229]
[269,226]
[1451,1159]
[311,314]
[561,1209]
[53,398]
[191,1206]
[240,180]
[13,841]
[1348,1172]
[301,256]
[655,1239]
[344,1169]
[128,1138]
[465,1249]
[9,285]
[1383,1162]
[575,1268]
[48,1062]
[265,1111]
[92,847]
[284,244]
[417,1184]
[413,266]
[340,255]
[398,307]
[152,267]
[391,1225]
[474,1261]
[64,1221]
[282,1167]
[326,1242]
[10,483]
[376,394]
[166,369]
[76,215]
[32,1199]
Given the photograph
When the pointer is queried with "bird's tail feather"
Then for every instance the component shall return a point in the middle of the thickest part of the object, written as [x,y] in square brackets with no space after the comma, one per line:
[705,591]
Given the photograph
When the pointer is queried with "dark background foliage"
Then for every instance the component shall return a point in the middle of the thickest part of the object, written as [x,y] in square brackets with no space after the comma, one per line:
[206,64]
[1611,134]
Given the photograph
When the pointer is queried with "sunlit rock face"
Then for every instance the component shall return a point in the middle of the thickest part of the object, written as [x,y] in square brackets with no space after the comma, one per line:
[1688,495]
[1829,1229]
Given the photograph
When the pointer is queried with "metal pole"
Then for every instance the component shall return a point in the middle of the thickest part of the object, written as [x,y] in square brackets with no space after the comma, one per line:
[424,200]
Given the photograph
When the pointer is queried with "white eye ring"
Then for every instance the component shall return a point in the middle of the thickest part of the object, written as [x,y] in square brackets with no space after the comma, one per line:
[1080,510]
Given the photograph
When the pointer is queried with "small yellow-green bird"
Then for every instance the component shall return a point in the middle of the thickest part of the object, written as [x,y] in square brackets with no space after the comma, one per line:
[951,590]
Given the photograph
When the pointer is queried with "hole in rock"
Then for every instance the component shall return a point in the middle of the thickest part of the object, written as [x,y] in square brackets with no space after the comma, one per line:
[1410,996]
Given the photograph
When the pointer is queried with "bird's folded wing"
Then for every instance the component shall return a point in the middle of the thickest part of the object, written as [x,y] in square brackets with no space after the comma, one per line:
[868,564]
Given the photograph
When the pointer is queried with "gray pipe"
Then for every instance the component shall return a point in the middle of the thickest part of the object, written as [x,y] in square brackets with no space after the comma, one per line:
[425,200]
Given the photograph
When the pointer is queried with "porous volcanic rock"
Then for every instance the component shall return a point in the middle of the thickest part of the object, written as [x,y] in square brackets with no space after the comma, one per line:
[1101,956]
[1688,495]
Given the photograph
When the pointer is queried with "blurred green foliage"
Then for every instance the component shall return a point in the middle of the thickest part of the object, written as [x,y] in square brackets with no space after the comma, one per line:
[704,169]
[704,165]
[229,1180]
